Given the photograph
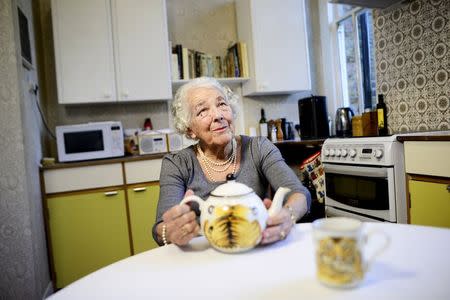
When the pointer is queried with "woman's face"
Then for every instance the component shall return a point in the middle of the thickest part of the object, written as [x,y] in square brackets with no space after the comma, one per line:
[211,116]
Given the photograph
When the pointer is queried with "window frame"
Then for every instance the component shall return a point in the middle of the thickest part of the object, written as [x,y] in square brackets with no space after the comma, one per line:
[339,75]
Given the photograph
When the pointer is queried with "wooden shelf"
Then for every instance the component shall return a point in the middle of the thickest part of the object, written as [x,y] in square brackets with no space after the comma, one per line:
[232,81]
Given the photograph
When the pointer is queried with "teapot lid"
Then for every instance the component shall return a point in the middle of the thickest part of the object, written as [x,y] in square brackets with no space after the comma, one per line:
[231,188]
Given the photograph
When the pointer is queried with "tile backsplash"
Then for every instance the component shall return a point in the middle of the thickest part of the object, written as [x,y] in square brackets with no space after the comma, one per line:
[413,64]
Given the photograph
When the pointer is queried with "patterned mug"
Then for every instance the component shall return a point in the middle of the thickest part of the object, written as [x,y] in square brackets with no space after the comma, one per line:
[340,251]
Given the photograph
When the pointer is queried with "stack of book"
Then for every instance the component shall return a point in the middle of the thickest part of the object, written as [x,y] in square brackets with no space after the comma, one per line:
[188,63]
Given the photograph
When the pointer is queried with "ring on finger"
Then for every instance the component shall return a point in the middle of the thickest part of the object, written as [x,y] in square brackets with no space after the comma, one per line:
[184,231]
[282,235]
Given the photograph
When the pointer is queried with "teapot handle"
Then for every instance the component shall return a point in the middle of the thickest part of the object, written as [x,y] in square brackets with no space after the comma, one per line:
[278,199]
[193,198]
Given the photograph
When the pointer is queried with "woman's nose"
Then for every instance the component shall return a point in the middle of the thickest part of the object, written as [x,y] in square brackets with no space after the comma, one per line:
[217,114]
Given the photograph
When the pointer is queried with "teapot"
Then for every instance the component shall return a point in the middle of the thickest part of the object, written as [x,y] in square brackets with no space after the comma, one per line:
[233,217]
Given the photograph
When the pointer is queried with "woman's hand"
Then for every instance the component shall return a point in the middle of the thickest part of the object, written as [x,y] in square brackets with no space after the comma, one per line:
[181,224]
[278,225]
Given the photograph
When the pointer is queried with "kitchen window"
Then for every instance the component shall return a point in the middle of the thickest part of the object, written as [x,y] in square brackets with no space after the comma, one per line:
[352,29]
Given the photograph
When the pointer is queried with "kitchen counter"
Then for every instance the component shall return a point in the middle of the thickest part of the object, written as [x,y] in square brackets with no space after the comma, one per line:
[122,159]
[295,152]
[433,136]
[289,150]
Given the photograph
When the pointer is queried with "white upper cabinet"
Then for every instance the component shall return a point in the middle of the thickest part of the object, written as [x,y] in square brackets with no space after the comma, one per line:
[142,60]
[275,33]
[83,51]
[111,50]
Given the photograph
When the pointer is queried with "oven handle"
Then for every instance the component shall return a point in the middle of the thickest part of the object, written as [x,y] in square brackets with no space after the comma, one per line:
[356,171]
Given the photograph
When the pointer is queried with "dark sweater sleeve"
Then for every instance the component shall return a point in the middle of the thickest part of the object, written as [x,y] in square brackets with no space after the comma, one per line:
[172,186]
[275,169]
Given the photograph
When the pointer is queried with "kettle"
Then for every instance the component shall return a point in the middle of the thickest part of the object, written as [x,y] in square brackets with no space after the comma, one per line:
[344,121]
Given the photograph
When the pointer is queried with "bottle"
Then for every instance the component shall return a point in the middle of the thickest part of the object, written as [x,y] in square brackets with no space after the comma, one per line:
[148,124]
[382,116]
[263,124]
[273,136]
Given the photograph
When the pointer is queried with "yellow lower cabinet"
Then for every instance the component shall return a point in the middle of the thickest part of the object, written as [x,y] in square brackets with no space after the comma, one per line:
[143,202]
[430,203]
[87,232]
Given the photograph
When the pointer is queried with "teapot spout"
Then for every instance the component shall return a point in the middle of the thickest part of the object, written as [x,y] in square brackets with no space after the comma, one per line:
[277,202]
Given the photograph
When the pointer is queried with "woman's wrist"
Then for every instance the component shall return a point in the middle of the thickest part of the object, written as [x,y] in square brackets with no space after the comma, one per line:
[297,206]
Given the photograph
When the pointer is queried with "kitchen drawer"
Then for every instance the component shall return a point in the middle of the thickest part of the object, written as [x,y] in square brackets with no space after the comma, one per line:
[427,158]
[142,171]
[82,178]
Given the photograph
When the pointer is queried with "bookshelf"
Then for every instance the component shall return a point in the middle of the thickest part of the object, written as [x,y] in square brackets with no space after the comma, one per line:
[230,81]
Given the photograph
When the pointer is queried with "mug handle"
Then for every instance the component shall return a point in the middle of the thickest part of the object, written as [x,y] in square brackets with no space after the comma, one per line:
[198,200]
[381,249]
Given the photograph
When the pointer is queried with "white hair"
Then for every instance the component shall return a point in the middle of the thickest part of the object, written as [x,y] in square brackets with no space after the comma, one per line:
[180,109]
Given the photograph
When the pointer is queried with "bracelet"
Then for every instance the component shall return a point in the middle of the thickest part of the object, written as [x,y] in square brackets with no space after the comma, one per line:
[163,235]
[291,211]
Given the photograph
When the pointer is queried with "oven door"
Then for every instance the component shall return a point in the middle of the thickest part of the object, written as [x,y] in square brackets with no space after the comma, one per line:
[334,212]
[364,190]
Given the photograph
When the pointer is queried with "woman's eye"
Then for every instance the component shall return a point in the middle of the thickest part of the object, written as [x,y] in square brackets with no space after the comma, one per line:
[202,112]
[223,104]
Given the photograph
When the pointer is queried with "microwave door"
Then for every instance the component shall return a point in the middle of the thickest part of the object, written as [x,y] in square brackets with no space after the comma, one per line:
[80,145]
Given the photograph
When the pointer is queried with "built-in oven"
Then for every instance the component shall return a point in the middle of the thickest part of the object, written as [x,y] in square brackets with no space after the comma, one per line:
[364,178]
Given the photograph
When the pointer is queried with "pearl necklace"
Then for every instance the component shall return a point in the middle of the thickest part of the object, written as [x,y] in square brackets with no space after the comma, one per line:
[209,167]
[215,163]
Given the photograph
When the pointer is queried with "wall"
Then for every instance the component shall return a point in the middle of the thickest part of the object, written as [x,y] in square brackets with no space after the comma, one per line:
[203,25]
[23,256]
[413,64]
[132,115]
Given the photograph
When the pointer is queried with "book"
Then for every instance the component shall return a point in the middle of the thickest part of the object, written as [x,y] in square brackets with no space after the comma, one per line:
[174,67]
[185,62]
[243,59]
[191,63]
[234,61]
[178,49]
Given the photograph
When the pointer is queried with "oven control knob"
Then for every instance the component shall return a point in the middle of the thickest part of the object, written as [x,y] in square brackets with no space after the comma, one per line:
[326,152]
[331,152]
[338,152]
[343,152]
[352,153]
[378,153]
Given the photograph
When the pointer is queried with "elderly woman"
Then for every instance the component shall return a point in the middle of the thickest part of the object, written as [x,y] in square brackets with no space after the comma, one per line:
[205,111]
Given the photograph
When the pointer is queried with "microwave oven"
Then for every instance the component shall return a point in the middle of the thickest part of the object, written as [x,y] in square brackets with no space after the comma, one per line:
[88,141]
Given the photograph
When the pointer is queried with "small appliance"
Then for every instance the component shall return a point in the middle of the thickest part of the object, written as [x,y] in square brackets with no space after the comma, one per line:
[313,117]
[174,140]
[344,121]
[152,142]
[87,141]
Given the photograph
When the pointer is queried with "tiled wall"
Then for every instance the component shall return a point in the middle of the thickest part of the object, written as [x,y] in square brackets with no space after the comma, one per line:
[413,64]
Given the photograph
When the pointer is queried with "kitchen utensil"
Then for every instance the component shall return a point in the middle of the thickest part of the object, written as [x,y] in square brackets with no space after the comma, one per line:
[343,121]
[234,217]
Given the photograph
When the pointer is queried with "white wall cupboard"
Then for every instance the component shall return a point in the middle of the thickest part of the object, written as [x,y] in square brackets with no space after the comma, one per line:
[111,50]
[277,43]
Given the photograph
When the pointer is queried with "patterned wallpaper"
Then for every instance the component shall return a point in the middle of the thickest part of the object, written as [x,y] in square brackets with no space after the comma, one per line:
[24,272]
[413,64]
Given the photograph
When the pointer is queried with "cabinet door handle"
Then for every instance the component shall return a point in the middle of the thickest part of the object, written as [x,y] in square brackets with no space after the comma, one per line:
[448,188]
[140,189]
[109,194]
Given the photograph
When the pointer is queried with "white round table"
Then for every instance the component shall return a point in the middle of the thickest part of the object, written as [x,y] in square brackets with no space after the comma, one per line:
[415,266]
